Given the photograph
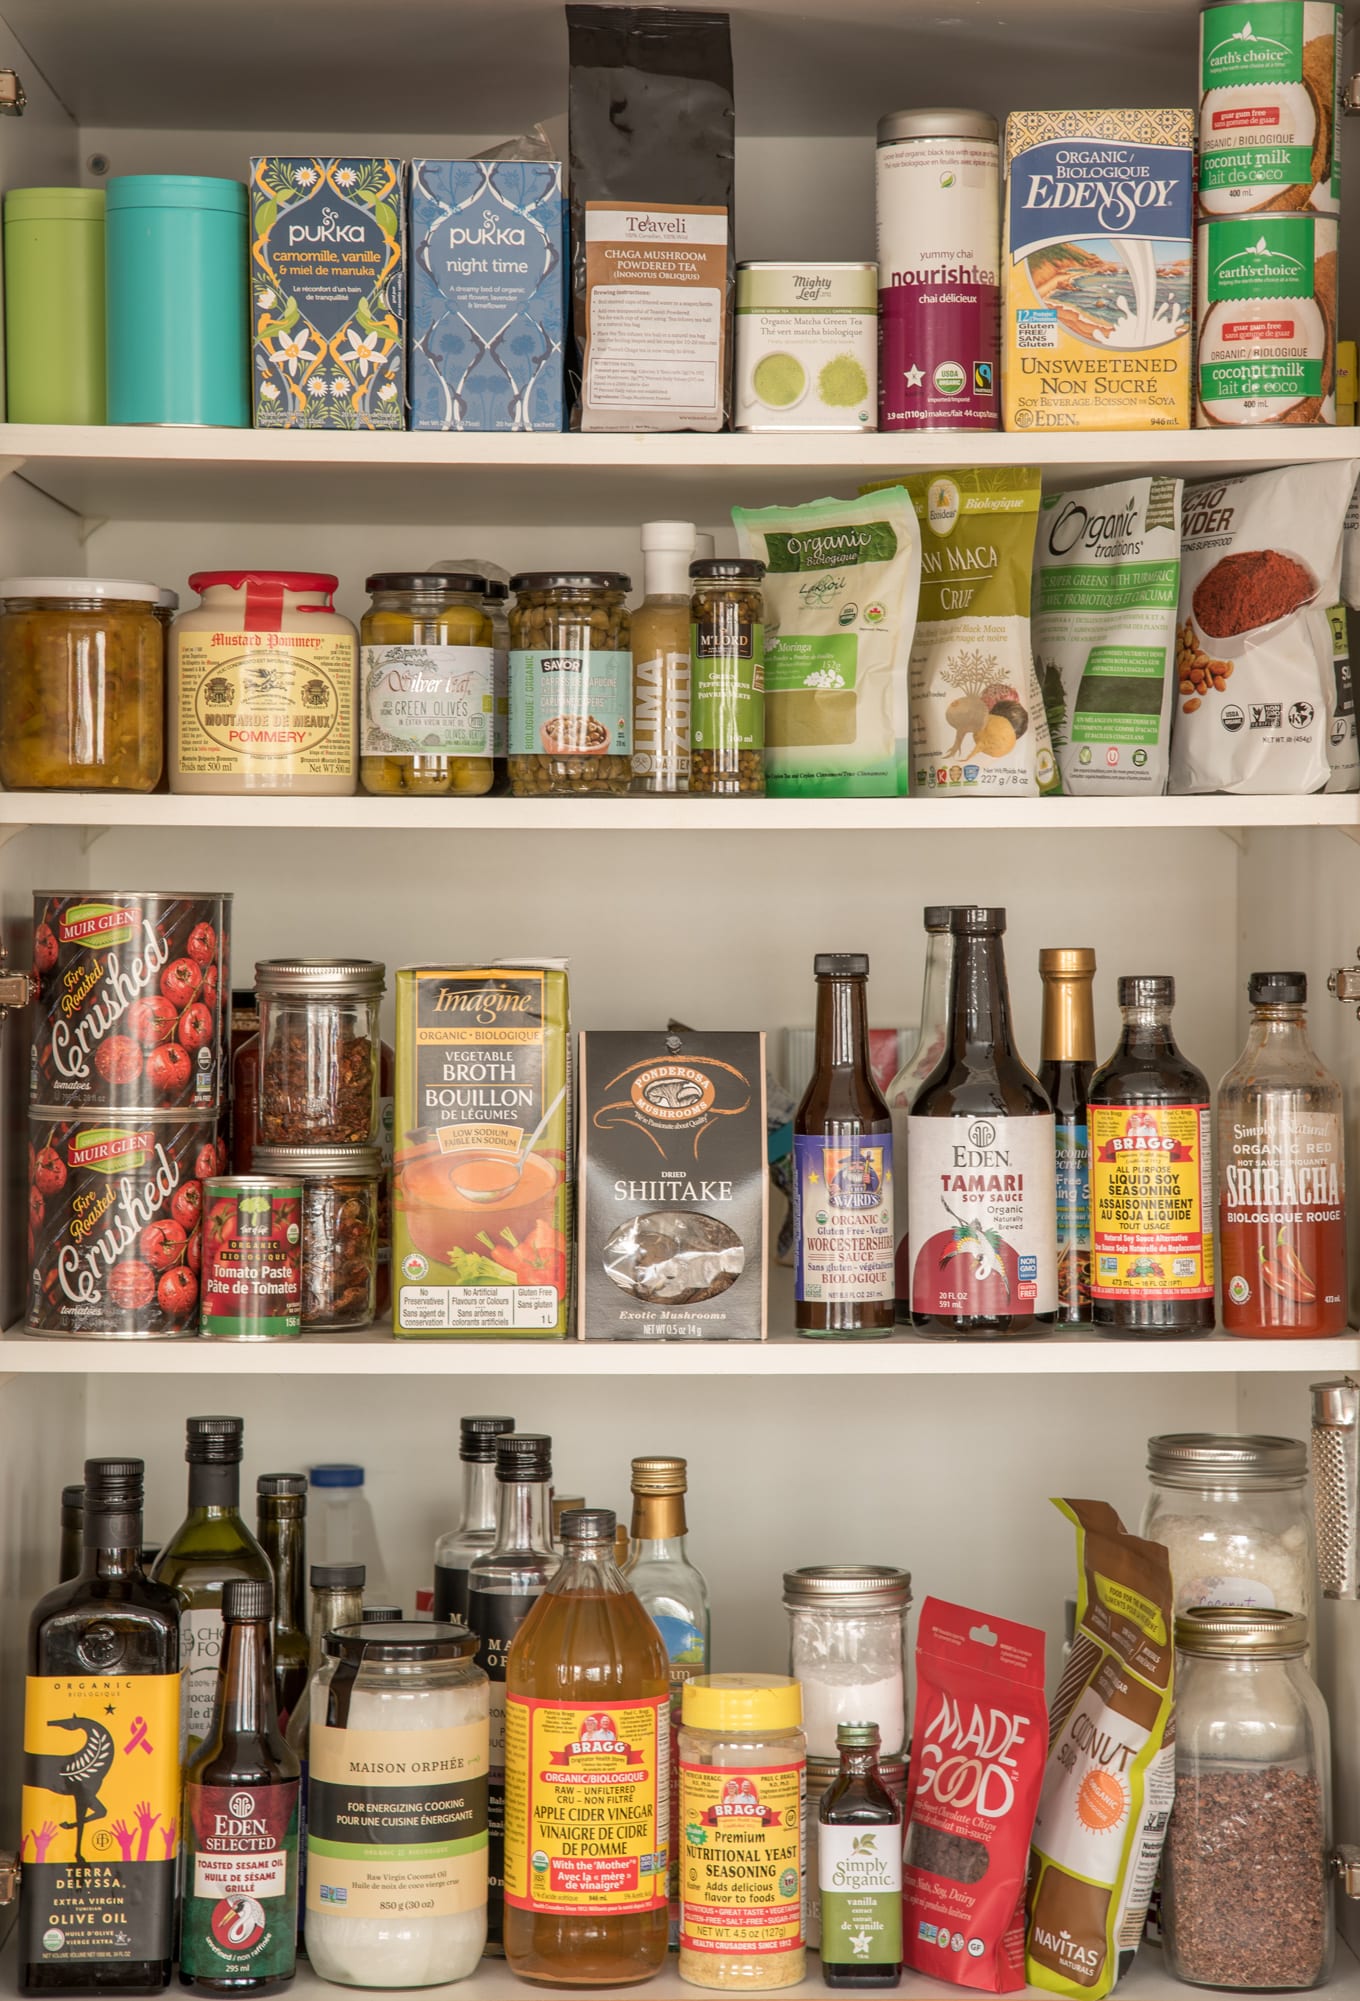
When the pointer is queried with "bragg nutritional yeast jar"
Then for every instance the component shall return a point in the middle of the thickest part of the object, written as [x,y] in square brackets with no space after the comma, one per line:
[571,683]
[263,684]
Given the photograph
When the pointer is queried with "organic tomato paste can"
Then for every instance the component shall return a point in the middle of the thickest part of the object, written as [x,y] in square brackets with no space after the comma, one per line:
[130,993]
[252,1258]
[114,1210]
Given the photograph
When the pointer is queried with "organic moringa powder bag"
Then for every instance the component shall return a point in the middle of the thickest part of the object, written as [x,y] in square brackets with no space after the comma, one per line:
[1111,1774]
[841,581]
[1256,685]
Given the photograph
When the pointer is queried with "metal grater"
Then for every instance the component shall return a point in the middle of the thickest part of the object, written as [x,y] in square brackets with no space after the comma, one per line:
[1336,1485]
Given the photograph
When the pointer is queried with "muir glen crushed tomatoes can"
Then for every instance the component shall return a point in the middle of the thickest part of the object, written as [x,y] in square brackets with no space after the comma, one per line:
[114,1222]
[252,1258]
[129,1009]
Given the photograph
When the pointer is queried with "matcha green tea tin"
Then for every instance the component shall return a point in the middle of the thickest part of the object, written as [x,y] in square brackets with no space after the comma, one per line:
[807,347]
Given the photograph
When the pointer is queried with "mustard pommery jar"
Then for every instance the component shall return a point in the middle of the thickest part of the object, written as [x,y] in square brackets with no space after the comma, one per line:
[82,685]
[571,683]
[263,684]
[427,684]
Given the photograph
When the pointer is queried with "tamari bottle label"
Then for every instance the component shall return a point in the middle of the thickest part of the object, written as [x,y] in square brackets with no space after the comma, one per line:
[240,1887]
[982,1215]
[587,1805]
[396,1821]
[860,1876]
[741,1876]
[1151,1202]
[99,1833]
[843,1223]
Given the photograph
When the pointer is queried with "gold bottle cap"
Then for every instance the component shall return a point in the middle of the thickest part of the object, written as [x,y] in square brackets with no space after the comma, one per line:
[659,1476]
[1067,959]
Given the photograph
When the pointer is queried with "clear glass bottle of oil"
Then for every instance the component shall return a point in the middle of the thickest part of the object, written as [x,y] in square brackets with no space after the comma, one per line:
[587,1728]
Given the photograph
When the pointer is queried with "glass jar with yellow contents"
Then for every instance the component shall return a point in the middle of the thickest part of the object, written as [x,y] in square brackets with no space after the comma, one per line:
[82,685]
[427,675]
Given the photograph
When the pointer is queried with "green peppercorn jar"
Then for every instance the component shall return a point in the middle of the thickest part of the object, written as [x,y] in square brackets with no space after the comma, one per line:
[727,677]
[571,683]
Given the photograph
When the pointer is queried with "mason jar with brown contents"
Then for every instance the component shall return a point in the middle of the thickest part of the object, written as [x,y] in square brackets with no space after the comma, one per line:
[340,1201]
[727,677]
[427,681]
[571,683]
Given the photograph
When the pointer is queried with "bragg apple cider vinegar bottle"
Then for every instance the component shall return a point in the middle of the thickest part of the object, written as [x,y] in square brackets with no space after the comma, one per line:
[587,1775]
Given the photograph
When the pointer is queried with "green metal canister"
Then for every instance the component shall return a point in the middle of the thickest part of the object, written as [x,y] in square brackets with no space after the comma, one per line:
[54,305]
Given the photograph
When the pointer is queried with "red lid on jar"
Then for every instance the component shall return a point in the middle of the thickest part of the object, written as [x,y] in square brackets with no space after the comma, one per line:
[288,580]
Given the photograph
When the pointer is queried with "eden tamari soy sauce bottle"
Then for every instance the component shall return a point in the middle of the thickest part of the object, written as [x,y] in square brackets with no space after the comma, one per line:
[238,1930]
[980,1161]
[843,1167]
[1152,1242]
[100,1817]
[1067,1065]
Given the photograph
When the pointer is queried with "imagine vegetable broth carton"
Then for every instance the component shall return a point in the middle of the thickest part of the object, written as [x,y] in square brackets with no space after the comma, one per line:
[1096,270]
[488,298]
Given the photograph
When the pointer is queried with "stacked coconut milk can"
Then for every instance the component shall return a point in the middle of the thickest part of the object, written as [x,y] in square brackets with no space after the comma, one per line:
[126,1091]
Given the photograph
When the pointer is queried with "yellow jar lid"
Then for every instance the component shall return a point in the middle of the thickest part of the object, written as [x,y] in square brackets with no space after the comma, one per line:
[742,1702]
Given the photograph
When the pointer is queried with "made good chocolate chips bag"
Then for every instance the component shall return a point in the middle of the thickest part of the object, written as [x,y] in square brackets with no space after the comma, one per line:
[977,1762]
[1256,686]
[1111,1774]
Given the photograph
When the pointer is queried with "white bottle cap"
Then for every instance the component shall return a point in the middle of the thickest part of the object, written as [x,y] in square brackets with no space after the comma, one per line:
[667,552]
[703,547]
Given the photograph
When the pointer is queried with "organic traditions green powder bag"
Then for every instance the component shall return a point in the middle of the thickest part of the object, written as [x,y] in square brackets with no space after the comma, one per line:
[977,721]
[841,582]
[1107,572]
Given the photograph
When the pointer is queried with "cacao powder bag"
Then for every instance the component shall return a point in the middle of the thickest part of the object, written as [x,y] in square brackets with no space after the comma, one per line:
[1256,687]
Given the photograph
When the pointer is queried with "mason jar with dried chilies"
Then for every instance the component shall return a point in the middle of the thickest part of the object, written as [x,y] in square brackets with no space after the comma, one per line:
[82,685]
[727,677]
[571,683]
[341,1189]
[427,681]
[320,1054]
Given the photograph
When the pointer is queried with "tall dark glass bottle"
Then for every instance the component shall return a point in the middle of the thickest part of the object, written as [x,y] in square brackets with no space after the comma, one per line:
[843,1167]
[1152,1186]
[337,1600]
[1068,1062]
[72,1532]
[238,1929]
[101,1765]
[210,1545]
[503,1588]
[859,1863]
[980,1161]
[455,1552]
[281,1525]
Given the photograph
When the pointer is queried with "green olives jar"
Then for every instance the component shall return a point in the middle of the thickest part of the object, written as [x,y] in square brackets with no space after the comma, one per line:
[427,675]
[571,683]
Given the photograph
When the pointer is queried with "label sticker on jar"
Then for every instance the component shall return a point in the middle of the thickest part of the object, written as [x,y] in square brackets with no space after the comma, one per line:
[587,1805]
[1151,1202]
[240,1919]
[428,701]
[843,1219]
[741,1872]
[982,1216]
[860,1872]
[396,1820]
[271,699]
[570,704]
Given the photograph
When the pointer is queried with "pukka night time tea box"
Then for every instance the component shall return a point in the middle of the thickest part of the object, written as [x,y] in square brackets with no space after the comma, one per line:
[487,295]
[328,293]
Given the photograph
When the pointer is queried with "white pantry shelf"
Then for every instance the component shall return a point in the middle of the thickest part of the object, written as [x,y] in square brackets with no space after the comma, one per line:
[100,811]
[374,1351]
[115,472]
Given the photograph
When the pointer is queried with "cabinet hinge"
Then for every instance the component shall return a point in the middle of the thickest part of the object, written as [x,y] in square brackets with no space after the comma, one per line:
[12,99]
[1345,1860]
[1350,96]
[1344,983]
[9,1879]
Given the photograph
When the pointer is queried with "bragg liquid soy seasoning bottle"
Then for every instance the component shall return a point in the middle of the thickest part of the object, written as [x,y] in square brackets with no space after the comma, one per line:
[1152,1242]
[1065,1071]
[1281,1175]
[100,1814]
[980,1161]
[842,1161]
[587,1757]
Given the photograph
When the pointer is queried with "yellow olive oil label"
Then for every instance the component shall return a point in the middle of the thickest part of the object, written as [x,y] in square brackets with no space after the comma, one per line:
[1151,1202]
[587,1805]
[741,1858]
[100,1815]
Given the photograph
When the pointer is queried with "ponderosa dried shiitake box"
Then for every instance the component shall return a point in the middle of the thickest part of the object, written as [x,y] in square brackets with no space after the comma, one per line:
[672,1186]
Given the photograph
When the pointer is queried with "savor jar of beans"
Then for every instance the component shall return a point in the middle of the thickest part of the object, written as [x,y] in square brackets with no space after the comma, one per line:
[341,1190]
[571,683]
[320,1054]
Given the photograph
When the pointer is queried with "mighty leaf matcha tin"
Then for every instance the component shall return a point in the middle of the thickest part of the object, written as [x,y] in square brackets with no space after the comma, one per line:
[807,347]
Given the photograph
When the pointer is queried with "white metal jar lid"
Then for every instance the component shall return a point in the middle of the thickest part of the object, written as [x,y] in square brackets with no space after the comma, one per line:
[1200,1459]
[312,978]
[127,590]
[1235,1632]
[849,1587]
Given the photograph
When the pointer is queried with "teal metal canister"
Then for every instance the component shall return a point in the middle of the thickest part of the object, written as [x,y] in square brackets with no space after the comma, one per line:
[54,305]
[177,312]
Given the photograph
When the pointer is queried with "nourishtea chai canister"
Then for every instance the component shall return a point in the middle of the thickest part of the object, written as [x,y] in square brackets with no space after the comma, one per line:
[54,305]
[176,301]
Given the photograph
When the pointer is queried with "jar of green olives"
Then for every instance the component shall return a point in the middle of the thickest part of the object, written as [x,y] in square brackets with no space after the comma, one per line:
[571,683]
[727,677]
[427,676]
